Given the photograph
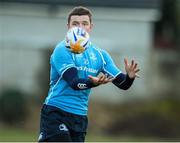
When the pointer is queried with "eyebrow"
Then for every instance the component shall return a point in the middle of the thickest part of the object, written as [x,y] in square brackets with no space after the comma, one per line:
[85,21]
[75,21]
[80,21]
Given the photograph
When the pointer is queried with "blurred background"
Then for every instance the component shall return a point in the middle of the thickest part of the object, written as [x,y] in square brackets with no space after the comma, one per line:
[145,30]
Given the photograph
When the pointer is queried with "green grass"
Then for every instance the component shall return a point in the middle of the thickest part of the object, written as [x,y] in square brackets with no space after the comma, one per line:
[12,134]
[101,138]
[104,138]
[21,135]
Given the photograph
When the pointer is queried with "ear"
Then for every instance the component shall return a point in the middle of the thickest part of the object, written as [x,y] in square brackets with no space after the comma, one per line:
[68,26]
[91,26]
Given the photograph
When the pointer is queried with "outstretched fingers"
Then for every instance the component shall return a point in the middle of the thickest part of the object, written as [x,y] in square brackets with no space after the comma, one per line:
[132,68]
[135,65]
[132,64]
[126,61]
[137,70]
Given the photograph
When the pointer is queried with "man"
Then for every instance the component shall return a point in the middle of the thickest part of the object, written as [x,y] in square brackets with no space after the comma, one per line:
[64,113]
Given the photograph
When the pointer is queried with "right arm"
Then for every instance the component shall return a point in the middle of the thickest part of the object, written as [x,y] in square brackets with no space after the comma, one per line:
[76,83]
[71,77]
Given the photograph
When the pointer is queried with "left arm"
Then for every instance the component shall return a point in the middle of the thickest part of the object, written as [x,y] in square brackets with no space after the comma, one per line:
[124,81]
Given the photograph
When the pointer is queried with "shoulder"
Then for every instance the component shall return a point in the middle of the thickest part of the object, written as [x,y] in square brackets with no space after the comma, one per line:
[101,51]
[60,50]
[60,47]
[61,53]
[97,49]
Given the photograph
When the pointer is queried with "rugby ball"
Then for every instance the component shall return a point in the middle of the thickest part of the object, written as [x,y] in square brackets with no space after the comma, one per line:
[77,40]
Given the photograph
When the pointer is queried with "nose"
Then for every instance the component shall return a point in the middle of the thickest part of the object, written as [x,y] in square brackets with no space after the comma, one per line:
[81,25]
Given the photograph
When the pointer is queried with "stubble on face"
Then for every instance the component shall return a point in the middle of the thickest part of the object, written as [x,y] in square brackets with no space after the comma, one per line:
[82,21]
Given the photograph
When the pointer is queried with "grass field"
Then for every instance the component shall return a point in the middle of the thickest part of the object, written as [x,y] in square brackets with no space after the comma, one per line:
[20,135]
[12,134]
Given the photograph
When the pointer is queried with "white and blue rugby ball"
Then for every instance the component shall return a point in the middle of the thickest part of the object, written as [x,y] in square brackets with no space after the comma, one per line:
[77,39]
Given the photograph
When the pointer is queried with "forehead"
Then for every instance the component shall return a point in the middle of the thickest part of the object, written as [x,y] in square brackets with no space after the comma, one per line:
[79,18]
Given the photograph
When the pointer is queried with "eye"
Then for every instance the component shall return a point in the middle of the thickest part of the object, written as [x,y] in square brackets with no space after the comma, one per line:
[85,23]
[74,24]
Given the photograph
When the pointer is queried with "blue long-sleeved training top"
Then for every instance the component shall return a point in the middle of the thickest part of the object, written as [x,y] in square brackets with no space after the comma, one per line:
[91,62]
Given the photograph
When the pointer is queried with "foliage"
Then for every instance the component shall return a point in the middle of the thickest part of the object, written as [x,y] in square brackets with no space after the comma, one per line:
[152,118]
[12,106]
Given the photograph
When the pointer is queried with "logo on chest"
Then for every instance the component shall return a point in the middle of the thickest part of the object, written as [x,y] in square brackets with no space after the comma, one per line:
[86,69]
[86,62]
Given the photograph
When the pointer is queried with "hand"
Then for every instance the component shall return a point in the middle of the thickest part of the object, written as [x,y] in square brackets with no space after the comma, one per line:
[131,69]
[101,79]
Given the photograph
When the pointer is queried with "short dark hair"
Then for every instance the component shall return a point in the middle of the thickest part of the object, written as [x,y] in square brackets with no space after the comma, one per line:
[80,10]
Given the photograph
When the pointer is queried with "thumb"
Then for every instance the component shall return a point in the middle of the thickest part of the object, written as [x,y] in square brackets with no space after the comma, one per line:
[125,61]
[92,78]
